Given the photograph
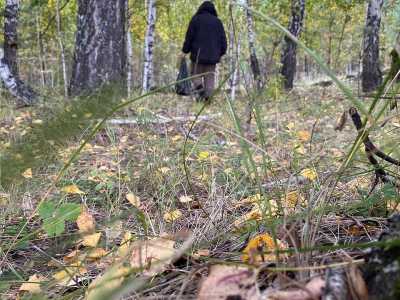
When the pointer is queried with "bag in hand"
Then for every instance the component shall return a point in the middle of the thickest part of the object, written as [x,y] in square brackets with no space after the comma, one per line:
[183,88]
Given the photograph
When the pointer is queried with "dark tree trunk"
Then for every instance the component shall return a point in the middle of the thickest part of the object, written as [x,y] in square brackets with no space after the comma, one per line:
[11,35]
[100,45]
[289,59]
[371,76]
[8,59]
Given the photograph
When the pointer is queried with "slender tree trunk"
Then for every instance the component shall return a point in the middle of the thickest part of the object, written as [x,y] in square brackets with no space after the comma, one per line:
[41,51]
[100,47]
[371,76]
[255,66]
[289,59]
[129,52]
[9,57]
[148,68]
[62,50]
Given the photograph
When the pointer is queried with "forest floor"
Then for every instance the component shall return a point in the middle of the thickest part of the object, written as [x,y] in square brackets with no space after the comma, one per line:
[134,191]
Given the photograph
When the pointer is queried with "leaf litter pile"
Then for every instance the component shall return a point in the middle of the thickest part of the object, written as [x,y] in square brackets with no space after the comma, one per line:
[130,218]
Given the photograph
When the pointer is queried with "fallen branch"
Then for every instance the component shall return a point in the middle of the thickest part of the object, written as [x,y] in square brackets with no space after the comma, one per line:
[371,150]
[162,120]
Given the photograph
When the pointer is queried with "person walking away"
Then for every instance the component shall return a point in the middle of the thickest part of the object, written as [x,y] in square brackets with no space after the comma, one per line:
[206,42]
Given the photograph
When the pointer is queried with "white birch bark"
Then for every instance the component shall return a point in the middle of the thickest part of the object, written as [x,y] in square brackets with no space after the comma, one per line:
[149,45]
[62,49]
[129,53]
[371,75]
[255,66]
[235,73]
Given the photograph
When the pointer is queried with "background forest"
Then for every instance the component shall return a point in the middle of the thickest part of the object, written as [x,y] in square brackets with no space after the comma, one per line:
[284,187]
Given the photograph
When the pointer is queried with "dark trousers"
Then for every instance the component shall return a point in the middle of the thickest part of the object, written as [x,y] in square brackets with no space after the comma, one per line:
[203,85]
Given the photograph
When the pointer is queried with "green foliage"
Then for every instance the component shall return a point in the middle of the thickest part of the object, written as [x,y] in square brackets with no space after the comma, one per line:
[54,217]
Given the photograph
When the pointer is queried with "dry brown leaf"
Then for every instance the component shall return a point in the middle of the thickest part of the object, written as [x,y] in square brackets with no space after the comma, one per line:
[33,284]
[86,222]
[201,253]
[96,254]
[152,256]
[229,282]
[72,257]
[254,253]
[91,240]
[133,199]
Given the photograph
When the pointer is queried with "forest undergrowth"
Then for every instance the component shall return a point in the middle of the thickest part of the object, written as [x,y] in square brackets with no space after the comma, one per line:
[154,199]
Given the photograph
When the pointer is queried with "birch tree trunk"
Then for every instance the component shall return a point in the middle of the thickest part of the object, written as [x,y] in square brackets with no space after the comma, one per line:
[100,46]
[371,76]
[129,51]
[289,59]
[148,68]
[9,57]
[62,50]
[255,66]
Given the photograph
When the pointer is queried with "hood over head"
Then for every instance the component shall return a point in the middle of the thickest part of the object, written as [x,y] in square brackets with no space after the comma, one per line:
[207,7]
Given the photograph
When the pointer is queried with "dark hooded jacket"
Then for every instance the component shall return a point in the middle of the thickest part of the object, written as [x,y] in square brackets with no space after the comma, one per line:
[205,37]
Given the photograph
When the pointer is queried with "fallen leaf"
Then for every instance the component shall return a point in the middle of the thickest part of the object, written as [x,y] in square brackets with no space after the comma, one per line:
[70,275]
[72,189]
[72,257]
[312,290]
[201,253]
[86,222]
[229,282]
[309,174]
[133,199]
[254,214]
[303,136]
[27,173]
[185,199]
[172,216]
[37,122]
[91,240]
[357,281]
[96,254]
[33,285]
[105,285]
[255,251]
[164,170]
[152,256]
[124,248]
[203,155]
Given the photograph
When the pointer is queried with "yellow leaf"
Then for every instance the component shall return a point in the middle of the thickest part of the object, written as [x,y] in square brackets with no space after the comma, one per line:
[309,174]
[249,200]
[304,135]
[123,250]
[96,254]
[91,240]
[70,275]
[203,155]
[254,214]
[290,126]
[86,222]
[37,122]
[255,251]
[33,284]
[152,256]
[104,285]
[201,253]
[72,189]
[172,216]
[185,199]
[27,173]
[176,138]
[133,199]
[291,200]
[164,170]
